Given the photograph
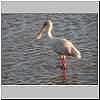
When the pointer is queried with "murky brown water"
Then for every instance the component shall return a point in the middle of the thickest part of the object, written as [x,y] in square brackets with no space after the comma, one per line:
[26,61]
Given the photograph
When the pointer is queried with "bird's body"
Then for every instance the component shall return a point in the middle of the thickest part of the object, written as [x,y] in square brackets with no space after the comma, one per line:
[63,47]
[57,45]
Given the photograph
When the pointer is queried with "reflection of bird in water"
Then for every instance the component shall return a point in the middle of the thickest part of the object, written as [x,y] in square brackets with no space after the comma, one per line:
[62,47]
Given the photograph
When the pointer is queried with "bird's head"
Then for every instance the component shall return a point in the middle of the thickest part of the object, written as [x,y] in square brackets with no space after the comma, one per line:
[47,27]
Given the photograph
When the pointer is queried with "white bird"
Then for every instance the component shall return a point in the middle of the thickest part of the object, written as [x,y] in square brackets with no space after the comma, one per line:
[61,46]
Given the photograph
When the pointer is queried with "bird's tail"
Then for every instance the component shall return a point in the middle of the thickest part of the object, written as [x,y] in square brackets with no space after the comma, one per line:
[76,53]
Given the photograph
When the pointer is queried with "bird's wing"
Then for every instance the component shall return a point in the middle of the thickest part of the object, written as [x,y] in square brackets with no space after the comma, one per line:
[73,50]
[59,47]
[68,45]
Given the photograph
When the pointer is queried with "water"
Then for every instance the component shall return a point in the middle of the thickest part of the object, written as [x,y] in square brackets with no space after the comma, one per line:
[26,61]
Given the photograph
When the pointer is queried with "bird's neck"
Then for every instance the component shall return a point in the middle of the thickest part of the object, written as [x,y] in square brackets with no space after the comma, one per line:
[50,30]
[50,35]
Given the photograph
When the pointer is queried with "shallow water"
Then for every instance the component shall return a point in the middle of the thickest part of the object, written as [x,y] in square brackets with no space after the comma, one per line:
[27,61]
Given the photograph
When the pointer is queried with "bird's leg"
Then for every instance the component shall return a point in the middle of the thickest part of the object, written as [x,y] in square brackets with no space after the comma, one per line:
[62,62]
[61,59]
[64,67]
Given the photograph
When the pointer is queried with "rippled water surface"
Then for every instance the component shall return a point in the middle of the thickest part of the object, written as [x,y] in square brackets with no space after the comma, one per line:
[27,61]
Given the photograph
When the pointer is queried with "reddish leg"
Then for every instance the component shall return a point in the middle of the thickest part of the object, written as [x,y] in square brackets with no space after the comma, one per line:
[64,65]
[64,70]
